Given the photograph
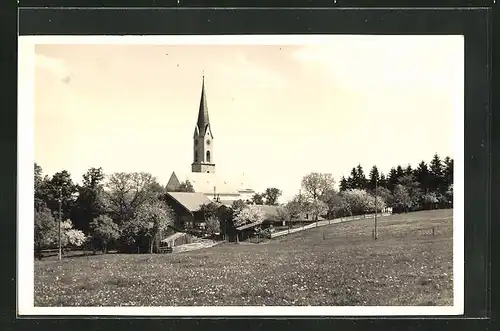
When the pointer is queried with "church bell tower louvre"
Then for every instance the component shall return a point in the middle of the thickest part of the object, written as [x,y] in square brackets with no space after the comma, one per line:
[203,156]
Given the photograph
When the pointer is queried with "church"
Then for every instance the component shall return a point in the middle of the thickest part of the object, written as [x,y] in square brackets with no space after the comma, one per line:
[203,176]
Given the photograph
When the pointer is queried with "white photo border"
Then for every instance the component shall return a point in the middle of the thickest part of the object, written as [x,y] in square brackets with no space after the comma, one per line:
[25,185]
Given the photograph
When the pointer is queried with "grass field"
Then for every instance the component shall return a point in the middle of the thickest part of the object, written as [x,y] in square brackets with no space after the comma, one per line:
[338,264]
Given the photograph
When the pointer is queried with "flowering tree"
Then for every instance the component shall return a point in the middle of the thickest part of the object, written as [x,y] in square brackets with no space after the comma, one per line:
[75,237]
[318,208]
[358,200]
[151,218]
[283,214]
[70,236]
[248,215]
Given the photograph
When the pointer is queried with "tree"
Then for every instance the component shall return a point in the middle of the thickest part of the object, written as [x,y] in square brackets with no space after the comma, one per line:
[422,175]
[344,208]
[225,216]
[436,174]
[392,179]
[105,230]
[429,200]
[152,217]
[383,181]
[248,215]
[344,185]
[385,195]
[360,181]
[185,187]
[374,178]
[125,193]
[90,203]
[399,171]
[448,172]
[358,200]
[258,199]
[318,208]
[210,213]
[75,237]
[61,187]
[238,206]
[271,195]
[283,215]
[402,198]
[449,194]
[40,189]
[71,236]
[408,170]
[317,184]
[412,189]
[46,230]
[295,207]
[333,201]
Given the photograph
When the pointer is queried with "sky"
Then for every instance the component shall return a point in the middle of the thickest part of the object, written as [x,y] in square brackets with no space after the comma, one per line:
[277,112]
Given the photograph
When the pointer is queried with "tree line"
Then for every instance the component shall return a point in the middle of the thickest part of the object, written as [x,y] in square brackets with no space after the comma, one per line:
[125,210]
[428,186]
[128,210]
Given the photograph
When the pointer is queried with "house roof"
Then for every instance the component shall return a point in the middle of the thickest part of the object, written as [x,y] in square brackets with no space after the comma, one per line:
[173,182]
[247,226]
[190,201]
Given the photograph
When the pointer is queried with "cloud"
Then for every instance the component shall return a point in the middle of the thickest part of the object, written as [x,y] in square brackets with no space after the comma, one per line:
[55,66]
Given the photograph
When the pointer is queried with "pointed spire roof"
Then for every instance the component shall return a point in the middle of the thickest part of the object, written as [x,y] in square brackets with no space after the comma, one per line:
[203,119]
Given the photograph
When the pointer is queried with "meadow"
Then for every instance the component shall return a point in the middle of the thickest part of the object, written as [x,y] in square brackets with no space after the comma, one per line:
[335,265]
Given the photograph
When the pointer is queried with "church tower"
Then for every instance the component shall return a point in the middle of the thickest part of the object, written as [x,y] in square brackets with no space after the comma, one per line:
[203,158]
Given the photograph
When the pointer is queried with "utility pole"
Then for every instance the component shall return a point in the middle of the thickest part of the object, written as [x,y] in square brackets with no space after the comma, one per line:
[375,230]
[59,223]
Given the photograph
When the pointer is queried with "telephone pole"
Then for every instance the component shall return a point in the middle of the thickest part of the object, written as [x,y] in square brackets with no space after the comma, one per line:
[59,223]
[375,230]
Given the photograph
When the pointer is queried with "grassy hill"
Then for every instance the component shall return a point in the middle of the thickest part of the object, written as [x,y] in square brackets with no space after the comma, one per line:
[339,264]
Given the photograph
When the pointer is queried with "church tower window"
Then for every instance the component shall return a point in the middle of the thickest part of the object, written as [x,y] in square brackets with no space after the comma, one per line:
[208,156]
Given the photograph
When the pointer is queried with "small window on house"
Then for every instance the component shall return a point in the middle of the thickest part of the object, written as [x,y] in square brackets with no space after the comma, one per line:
[307,216]
[208,156]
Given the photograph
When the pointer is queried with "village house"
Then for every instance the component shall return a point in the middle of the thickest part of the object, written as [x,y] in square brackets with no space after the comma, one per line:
[186,207]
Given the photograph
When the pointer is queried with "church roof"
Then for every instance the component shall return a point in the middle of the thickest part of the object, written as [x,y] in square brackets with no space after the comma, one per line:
[203,119]
[206,182]
[173,182]
[190,201]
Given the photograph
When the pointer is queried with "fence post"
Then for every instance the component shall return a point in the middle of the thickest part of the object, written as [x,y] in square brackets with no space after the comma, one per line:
[433,233]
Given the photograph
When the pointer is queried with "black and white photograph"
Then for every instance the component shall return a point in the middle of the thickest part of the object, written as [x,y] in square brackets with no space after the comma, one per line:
[241,175]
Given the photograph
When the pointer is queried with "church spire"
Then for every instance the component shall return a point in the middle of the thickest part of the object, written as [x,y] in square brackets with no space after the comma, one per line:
[203,120]
[203,158]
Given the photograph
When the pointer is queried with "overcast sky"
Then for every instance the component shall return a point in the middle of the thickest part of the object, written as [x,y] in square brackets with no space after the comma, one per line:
[277,112]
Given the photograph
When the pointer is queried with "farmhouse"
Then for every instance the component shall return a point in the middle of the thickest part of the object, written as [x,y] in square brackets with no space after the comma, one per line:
[186,207]
[202,176]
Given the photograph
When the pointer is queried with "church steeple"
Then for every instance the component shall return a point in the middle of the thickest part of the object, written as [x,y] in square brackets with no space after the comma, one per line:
[203,138]
[203,119]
